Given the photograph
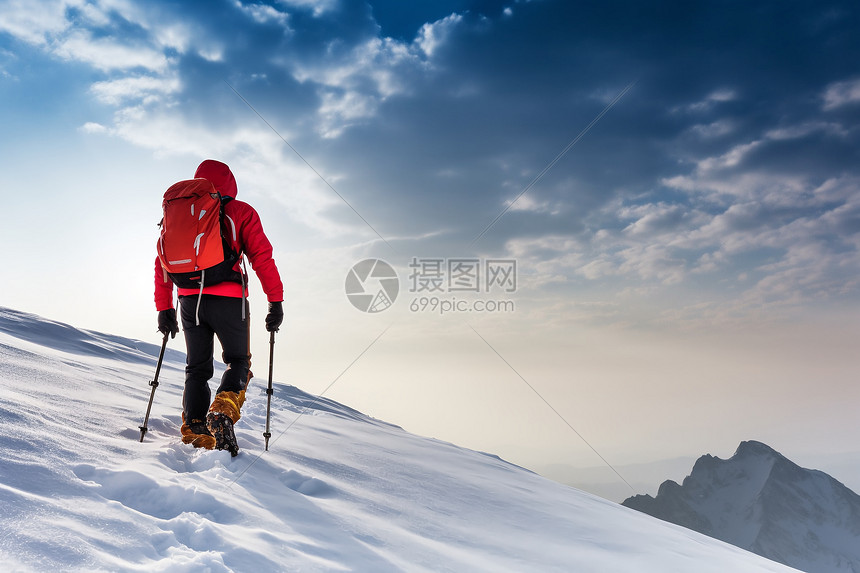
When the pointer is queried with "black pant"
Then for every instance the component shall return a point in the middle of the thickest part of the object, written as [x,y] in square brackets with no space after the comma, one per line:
[222,317]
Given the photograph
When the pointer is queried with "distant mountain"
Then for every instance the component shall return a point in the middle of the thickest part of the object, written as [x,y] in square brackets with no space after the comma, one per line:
[761,501]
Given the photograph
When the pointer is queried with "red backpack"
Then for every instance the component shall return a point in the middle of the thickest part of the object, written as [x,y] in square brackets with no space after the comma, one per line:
[194,247]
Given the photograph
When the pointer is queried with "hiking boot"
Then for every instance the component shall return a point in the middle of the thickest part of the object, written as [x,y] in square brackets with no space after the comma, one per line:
[223,413]
[229,404]
[221,427]
[197,434]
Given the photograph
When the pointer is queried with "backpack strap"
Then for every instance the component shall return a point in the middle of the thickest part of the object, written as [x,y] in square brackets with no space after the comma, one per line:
[199,298]
[243,270]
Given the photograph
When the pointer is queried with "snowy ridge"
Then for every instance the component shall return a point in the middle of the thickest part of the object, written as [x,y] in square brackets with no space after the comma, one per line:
[59,336]
[338,491]
[761,501]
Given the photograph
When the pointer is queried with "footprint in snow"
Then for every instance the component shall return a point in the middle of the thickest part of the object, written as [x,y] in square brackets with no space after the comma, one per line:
[308,486]
[183,458]
[143,494]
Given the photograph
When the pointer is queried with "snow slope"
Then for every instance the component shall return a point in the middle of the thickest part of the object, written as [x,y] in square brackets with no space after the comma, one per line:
[337,491]
[761,501]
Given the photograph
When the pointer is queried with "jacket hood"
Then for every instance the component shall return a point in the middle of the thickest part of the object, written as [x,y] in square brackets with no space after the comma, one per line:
[219,175]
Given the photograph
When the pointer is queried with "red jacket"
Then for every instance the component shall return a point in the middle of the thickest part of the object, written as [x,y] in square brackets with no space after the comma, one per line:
[249,239]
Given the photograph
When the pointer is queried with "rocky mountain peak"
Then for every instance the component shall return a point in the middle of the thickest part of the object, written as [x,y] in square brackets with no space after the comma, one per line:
[761,501]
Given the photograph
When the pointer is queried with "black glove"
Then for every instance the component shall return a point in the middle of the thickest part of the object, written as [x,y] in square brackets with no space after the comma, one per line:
[275,316]
[167,322]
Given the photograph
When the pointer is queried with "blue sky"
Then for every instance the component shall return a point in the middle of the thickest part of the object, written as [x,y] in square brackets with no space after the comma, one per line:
[688,270]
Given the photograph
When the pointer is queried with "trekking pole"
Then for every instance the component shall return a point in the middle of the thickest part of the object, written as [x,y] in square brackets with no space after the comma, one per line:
[269,390]
[154,384]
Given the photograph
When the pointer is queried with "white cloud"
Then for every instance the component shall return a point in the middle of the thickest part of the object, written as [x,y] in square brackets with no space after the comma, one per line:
[809,270]
[805,129]
[47,24]
[95,14]
[6,59]
[375,60]
[339,110]
[146,89]
[652,262]
[841,93]
[263,14]
[267,167]
[433,35]
[598,268]
[655,218]
[722,95]
[173,36]
[725,173]
[165,32]
[167,132]
[711,100]
[211,54]
[353,86]
[838,189]
[547,260]
[108,54]
[318,7]
[714,129]
[525,247]
[528,203]
[780,240]
[34,22]
[92,127]
[731,158]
